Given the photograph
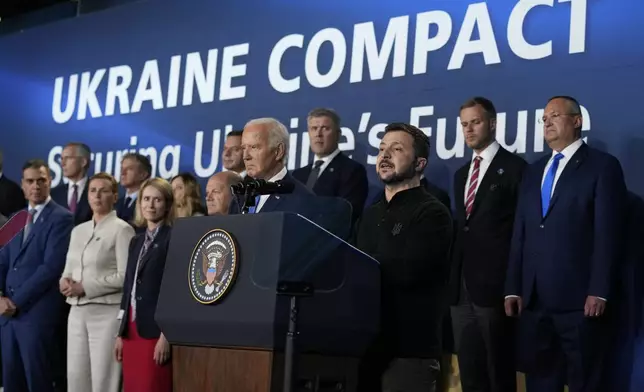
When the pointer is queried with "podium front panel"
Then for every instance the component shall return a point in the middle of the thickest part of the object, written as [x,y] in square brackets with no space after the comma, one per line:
[340,318]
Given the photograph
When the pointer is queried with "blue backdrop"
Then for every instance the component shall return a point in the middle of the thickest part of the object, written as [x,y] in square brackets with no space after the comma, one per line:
[170,78]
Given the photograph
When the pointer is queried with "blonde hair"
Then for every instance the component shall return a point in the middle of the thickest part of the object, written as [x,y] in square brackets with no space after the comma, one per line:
[191,202]
[165,188]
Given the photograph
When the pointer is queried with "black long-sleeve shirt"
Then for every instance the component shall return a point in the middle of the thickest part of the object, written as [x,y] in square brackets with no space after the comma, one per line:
[411,237]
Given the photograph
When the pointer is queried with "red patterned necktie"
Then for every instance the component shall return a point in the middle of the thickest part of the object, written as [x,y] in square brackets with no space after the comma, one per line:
[471,191]
[73,202]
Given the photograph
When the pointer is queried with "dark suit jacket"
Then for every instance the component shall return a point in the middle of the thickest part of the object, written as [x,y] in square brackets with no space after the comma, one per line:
[83,211]
[294,202]
[572,252]
[29,272]
[344,178]
[148,283]
[482,246]
[124,212]
[12,199]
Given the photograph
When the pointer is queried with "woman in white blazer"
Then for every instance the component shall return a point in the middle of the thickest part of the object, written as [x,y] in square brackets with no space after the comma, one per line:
[93,284]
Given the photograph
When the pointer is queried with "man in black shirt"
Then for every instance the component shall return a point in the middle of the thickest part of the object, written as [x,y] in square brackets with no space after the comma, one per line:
[409,232]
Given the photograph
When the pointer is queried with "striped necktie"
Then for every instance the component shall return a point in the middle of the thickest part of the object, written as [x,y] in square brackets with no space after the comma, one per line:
[471,191]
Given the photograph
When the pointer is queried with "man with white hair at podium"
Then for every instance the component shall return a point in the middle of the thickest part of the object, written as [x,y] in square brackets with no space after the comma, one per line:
[265,145]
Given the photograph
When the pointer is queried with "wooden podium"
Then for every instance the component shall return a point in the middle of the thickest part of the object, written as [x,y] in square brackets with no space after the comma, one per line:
[303,300]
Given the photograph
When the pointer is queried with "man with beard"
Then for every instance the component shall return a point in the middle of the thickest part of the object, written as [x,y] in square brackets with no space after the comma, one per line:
[409,232]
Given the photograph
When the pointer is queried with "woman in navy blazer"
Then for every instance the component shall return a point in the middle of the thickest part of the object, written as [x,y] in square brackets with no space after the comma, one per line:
[140,345]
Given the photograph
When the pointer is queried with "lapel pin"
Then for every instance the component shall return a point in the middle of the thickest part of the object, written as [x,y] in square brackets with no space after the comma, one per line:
[277,197]
[500,171]
[331,169]
[155,245]
[98,238]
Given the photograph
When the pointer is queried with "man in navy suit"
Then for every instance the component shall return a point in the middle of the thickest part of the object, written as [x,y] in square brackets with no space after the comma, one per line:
[566,243]
[135,169]
[75,160]
[30,305]
[332,173]
[265,143]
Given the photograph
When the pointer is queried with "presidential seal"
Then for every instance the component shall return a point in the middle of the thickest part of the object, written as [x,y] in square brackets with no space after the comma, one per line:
[213,266]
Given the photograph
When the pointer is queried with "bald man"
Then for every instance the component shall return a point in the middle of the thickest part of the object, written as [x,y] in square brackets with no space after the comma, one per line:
[218,194]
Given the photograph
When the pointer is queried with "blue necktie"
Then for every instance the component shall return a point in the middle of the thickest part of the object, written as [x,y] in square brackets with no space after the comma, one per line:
[251,210]
[548,183]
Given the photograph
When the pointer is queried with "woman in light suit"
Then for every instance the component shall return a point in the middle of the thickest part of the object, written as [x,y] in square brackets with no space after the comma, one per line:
[93,284]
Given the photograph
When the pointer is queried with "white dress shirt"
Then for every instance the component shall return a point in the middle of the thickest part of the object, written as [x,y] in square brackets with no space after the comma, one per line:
[567,152]
[70,189]
[326,160]
[262,199]
[486,159]
[39,208]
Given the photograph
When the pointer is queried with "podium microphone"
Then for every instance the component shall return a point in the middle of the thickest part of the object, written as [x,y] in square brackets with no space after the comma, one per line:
[262,187]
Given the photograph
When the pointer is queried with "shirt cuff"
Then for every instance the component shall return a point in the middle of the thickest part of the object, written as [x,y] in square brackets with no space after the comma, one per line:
[512,296]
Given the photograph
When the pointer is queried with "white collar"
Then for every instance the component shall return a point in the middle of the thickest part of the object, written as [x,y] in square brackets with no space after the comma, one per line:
[81,183]
[489,152]
[570,150]
[279,176]
[40,207]
[327,158]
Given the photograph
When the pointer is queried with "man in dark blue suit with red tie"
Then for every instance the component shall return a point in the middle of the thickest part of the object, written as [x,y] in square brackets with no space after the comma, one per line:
[566,244]
[30,304]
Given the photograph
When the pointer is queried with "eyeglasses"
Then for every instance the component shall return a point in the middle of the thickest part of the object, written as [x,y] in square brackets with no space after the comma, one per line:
[554,117]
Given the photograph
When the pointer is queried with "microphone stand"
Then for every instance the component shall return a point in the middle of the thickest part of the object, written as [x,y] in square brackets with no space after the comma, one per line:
[249,200]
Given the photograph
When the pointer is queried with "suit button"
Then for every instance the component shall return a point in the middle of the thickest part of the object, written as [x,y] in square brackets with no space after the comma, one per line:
[466,229]
[15,269]
[138,298]
[138,281]
[541,226]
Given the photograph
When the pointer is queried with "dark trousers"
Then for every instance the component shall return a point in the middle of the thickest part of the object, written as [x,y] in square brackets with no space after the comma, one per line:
[484,339]
[27,357]
[562,348]
[381,371]
[60,352]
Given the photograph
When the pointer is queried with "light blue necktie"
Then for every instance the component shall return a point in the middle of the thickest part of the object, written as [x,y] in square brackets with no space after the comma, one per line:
[548,183]
[251,210]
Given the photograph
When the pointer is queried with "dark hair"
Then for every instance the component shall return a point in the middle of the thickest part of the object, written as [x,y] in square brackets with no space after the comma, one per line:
[483,102]
[421,141]
[35,164]
[141,159]
[235,133]
[325,112]
[574,104]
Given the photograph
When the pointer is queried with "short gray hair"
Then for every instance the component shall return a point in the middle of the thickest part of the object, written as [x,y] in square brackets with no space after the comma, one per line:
[277,133]
[83,150]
